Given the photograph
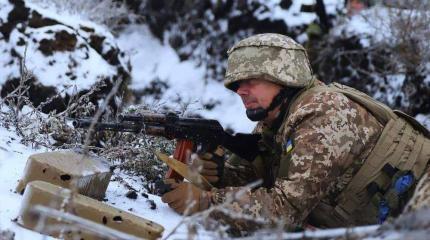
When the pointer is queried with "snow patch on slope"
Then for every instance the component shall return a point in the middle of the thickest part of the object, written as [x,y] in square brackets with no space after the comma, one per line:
[152,60]
[293,16]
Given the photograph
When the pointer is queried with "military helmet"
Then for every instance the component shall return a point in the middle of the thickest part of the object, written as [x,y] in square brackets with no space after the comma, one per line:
[273,57]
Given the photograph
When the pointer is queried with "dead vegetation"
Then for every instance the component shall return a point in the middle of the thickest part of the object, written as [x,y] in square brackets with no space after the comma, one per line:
[130,152]
[389,60]
[109,13]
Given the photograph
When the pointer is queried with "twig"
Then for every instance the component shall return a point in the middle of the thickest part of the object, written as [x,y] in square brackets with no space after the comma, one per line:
[320,234]
[99,113]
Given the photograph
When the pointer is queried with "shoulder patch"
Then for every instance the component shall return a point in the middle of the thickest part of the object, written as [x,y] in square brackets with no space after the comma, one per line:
[288,146]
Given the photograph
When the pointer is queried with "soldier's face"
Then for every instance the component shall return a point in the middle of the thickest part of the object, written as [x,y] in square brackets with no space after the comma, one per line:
[256,93]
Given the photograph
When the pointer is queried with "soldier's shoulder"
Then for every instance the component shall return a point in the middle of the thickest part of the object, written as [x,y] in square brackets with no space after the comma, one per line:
[320,99]
[320,104]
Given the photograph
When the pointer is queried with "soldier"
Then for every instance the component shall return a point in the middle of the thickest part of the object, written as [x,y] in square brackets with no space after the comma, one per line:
[330,156]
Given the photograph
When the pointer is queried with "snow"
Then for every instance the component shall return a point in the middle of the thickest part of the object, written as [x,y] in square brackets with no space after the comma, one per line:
[9,69]
[49,75]
[74,20]
[51,70]
[424,119]
[90,65]
[360,24]
[163,214]
[392,85]
[382,25]
[5,8]
[293,16]
[378,22]
[152,59]
[13,157]
[427,79]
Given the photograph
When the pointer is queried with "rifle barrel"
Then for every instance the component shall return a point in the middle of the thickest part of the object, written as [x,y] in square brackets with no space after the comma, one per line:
[151,129]
[118,127]
[146,118]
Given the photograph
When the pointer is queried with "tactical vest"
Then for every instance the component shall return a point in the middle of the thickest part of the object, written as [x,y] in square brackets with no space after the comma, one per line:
[402,149]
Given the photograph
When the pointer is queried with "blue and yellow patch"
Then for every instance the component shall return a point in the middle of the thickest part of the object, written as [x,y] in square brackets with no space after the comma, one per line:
[288,146]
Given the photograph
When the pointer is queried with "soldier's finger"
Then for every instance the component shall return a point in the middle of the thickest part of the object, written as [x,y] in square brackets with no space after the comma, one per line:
[181,209]
[219,151]
[170,180]
[169,197]
[174,185]
[209,164]
[178,210]
[206,155]
[209,172]
[212,179]
[176,204]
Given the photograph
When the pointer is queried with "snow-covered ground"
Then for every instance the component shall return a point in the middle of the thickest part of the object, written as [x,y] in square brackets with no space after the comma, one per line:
[13,157]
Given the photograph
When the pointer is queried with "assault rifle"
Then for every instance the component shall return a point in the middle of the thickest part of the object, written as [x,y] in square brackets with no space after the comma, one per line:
[192,134]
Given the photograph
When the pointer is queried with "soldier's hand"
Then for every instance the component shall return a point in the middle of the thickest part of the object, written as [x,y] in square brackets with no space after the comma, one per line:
[209,165]
[185,198]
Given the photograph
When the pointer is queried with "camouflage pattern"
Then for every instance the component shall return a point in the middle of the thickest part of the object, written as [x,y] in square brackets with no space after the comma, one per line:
[421,197]
[331,135]
[239,172]
[273,57]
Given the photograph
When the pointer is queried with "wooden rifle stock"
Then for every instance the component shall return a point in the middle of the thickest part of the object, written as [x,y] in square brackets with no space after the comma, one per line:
[182,151]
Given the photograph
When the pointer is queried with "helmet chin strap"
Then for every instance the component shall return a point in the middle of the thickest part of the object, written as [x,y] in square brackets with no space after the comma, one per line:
[258,114]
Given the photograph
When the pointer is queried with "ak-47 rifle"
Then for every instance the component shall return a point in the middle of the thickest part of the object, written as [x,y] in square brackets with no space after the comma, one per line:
[192,134]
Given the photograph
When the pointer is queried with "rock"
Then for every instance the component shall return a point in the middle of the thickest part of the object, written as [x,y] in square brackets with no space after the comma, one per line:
[144,195]
[61,56]
[285,4]
[131,194]
[63,41]
[152,204]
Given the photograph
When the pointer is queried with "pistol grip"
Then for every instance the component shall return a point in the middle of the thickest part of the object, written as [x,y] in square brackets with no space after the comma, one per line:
[182,151]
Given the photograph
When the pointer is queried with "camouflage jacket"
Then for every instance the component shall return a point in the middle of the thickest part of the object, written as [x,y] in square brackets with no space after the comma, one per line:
[323,140]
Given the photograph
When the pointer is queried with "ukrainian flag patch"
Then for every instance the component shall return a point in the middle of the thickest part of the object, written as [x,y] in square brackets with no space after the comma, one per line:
[288,146]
